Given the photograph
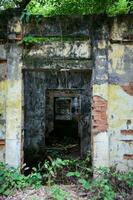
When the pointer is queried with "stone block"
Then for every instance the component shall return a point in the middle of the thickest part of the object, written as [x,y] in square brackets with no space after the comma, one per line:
[63,50]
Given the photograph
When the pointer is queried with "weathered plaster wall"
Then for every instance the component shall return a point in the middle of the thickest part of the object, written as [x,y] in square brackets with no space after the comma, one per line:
[56,66]
[3,74]
[100,136]
[102,45]
[10,92]
[14,105]
[120,112]
[112,95]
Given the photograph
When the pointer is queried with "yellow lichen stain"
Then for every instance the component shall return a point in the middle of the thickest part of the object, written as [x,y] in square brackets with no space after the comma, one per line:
[3,86]
[116,55]
[101,44]
[16,103]
[10,96]
[101,90]
[120,107]
[1,108]
[16,27]
[118,29]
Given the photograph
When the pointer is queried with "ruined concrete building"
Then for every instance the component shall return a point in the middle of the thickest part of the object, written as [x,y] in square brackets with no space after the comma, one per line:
[73,77]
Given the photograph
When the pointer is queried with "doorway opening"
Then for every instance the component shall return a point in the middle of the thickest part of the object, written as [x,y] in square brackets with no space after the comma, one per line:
[64,139]
[57,115]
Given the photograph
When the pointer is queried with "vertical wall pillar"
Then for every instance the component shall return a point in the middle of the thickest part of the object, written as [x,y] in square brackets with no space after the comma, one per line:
[3,70]
[14,106]
[14,96]
[100,135]
[100,125]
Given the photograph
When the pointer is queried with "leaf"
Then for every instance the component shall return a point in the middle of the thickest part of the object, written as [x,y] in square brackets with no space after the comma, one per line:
[77,174]
[84,183]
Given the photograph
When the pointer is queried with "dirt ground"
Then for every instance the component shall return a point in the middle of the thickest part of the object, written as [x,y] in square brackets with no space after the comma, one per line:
[43,194]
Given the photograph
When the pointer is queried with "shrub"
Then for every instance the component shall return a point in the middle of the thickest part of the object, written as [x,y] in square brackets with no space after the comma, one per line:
[11,179]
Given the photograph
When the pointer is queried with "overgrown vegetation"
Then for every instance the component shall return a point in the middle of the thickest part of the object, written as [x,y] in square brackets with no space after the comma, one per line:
[107,185]
[59,194]
[11,179]
[36,40]
[79,7]
[72,7]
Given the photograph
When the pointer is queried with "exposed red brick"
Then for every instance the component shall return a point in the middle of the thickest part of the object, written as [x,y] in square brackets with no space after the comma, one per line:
[99,117]
[127,132]
[19,36]
[2,142]
[2,61]
[128,156]
[128,88]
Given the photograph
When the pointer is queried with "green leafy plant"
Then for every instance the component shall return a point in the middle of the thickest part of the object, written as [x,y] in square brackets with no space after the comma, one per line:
[79,7]
[51,168]
[108,182]
[85,184]
[70,7]
[102,189]
[35,178]
[126,177]
[11,179]
[59,194]
[76,174]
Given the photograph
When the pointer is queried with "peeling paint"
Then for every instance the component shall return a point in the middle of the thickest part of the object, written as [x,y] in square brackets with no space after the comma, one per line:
[108,52]
[120,108]
[128,156]
[101,90]
[128,88]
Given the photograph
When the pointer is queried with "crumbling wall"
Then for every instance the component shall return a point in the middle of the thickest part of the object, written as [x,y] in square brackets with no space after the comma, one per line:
[100,136]
[101,45]
[112,94]
[120,112]
[57,65]
[3,75]
[3,85]
[10,90]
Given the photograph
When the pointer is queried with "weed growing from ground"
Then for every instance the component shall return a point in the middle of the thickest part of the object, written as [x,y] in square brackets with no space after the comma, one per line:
[11,180]
[59,194]
[108,184]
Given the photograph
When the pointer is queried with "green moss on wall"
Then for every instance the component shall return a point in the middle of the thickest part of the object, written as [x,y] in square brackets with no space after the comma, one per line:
[34,40]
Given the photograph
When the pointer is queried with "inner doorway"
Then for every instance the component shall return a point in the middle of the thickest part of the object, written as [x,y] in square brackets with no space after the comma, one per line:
[64,123]
[64,138]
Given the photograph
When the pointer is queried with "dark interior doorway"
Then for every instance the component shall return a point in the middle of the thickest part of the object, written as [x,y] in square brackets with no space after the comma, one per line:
[64,139]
